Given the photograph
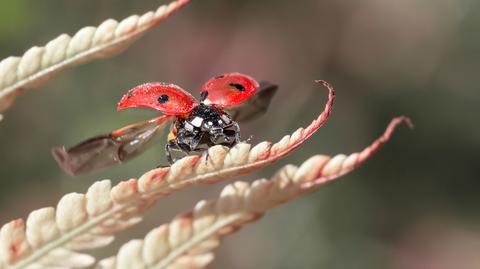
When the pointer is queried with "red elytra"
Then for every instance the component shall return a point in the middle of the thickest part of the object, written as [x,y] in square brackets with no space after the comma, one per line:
[222,91]
[229,89]
[167,98]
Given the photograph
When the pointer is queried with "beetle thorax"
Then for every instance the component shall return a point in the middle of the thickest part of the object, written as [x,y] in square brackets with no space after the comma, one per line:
[206,117]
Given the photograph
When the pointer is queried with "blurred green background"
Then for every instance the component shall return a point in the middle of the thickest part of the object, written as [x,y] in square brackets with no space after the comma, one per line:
[414,205]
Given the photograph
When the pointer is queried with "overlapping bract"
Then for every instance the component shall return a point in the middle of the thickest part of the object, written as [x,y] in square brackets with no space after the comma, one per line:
[189,240]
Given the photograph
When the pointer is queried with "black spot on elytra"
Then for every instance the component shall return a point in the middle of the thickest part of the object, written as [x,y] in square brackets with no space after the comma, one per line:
[129,94]
[163,99]
[237,86]
[221,76]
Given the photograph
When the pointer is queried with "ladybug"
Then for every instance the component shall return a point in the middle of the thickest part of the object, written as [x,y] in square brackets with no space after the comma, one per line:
[194,125]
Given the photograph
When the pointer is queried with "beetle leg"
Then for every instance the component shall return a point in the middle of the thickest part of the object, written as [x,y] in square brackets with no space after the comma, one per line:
[226,136]
[174,151]
[167,152]
[217,137]
[200,143]
[207,156]
[236,128]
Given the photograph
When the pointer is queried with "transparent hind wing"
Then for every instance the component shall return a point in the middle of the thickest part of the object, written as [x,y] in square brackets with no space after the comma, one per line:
[256,105]
[101,152]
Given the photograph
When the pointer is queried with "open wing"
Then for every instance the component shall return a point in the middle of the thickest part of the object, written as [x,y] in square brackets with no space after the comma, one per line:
[241,95]
[168,98]
[256,105]
[228,90]
[102,151]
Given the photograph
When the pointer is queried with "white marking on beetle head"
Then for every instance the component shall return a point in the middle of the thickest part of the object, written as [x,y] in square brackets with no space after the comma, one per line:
[197,122]
[188,126]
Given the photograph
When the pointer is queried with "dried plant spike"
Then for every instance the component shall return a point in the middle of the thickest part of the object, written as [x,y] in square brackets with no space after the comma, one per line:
[38,64]
[103,210]
[239,203]
[348,163]
[13,243]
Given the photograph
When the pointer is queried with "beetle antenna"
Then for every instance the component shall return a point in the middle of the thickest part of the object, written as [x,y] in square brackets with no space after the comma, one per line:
[203,96]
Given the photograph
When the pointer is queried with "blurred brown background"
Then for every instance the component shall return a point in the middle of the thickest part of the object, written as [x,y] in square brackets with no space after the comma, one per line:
[414,205]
